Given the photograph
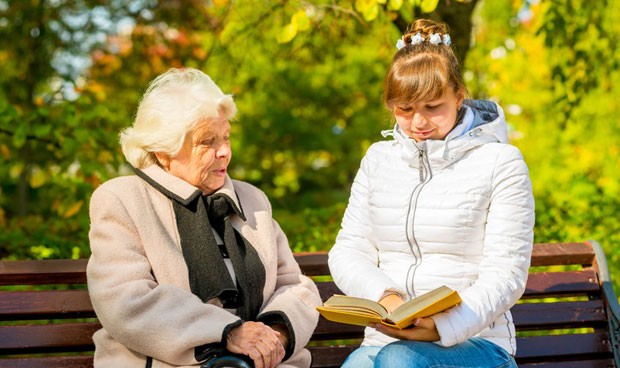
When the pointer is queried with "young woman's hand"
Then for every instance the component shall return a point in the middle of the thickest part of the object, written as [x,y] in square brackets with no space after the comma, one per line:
[258,341]
[391,302]
[423,329]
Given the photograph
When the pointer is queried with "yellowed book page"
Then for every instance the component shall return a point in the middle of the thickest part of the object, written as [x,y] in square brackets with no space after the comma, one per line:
[351,318]
[425,305]
[353,304]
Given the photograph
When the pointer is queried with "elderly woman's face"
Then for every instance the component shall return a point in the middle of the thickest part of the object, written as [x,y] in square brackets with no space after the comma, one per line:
[205,155]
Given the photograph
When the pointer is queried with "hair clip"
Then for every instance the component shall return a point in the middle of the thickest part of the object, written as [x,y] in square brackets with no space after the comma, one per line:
[417,39]
[434,38]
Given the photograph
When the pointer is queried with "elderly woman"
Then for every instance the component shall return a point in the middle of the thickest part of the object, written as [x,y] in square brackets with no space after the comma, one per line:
[187,264]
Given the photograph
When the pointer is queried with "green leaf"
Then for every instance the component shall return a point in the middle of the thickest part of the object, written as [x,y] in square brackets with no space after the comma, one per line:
[19,137]
[42,130]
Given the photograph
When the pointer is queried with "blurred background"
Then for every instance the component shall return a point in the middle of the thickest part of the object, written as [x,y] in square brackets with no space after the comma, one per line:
[307,79]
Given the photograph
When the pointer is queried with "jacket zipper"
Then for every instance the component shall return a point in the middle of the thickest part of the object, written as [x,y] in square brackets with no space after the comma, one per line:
[425,176]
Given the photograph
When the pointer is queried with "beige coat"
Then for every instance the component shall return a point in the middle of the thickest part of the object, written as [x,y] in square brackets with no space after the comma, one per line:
[138,279]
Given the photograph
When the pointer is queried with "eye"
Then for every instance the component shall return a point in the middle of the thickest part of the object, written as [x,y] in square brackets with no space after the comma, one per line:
[207,142]
[405,108]
[433,107]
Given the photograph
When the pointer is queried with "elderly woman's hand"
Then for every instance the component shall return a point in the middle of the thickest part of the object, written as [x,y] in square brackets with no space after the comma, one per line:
[259,342]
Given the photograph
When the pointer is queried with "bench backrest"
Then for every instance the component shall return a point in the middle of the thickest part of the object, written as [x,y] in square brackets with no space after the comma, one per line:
[563,318]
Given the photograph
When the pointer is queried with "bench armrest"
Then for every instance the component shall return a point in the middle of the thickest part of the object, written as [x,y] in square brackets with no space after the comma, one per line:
[613,308]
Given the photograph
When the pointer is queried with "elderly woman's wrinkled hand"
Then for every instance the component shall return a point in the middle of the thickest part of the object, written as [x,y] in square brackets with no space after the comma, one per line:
[259,342]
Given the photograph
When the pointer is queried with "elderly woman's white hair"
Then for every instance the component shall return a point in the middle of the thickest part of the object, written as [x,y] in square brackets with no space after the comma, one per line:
[173,104]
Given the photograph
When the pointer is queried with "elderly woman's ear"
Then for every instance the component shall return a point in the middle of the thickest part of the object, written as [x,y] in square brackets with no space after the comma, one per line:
[163,160]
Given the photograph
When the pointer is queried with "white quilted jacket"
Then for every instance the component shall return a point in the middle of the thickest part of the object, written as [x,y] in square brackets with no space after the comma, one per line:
[457,212]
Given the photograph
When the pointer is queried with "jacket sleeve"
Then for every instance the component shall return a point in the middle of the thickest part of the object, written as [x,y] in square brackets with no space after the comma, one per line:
[162,321]
[354,256]
[506,254]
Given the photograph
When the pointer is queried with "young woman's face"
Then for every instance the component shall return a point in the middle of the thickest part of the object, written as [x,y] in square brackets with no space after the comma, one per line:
[422,120]
[204,157]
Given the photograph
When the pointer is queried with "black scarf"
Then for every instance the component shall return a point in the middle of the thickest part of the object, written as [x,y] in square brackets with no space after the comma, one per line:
[208,276]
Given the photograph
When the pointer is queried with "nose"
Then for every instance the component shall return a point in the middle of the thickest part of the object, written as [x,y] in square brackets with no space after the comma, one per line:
[223,149]
[418,120]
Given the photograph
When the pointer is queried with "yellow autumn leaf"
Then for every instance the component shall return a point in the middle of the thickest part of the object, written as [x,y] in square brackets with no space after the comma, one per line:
[381,1]
[428,6]
[301,21]
[287,33]
[395,4]
[16,170]
[73,209]
[368,8]
[5,151]
[37,178]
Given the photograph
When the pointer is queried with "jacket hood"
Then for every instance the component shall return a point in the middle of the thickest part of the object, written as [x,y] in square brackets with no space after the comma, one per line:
[483,122]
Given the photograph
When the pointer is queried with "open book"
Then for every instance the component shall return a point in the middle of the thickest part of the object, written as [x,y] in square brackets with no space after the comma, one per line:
[359,311]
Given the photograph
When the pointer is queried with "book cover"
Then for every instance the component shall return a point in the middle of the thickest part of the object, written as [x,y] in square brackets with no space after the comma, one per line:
[359,311]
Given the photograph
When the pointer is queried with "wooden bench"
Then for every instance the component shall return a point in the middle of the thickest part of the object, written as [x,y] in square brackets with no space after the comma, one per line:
[568,316]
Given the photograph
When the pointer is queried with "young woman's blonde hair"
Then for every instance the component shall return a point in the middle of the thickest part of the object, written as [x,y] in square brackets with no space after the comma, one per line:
[421,71]
[173,104]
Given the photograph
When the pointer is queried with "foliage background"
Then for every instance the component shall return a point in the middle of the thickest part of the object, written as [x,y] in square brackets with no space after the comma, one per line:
[307,79]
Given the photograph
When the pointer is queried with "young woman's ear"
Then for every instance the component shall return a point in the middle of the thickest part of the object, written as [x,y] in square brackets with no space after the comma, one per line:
[460,95]
[163,159]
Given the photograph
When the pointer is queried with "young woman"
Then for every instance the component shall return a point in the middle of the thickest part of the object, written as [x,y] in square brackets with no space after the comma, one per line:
[447,201]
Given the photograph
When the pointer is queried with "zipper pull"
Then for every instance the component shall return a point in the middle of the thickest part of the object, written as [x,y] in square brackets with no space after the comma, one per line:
[421,164]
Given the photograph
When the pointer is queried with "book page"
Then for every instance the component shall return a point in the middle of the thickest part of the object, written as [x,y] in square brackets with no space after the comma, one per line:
[425,305]
[355,305]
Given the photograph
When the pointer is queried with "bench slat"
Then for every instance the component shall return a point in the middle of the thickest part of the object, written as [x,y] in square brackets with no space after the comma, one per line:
[549,284]
[313,263]
[79,361]
[550,254]
[543,254]
[548,316]
[330,356]
[50,272]
[601,363]
[564,347]
[31,339]
[49,304]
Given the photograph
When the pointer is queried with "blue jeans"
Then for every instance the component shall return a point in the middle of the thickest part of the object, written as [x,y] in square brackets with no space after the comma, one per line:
[475,352]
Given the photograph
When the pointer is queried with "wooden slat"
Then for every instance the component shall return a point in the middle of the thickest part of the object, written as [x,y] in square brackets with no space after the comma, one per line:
[66,337]
[53,271]
[548,316]
[313,263]
[82,361]
[330,356]
[564,347]
[548,254]
[327,330]
[327,289]
[24,305]
[588,363]
[561,283]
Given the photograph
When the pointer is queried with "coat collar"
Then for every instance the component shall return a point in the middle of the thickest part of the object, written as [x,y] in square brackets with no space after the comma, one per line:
[483,122]
[182,191]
